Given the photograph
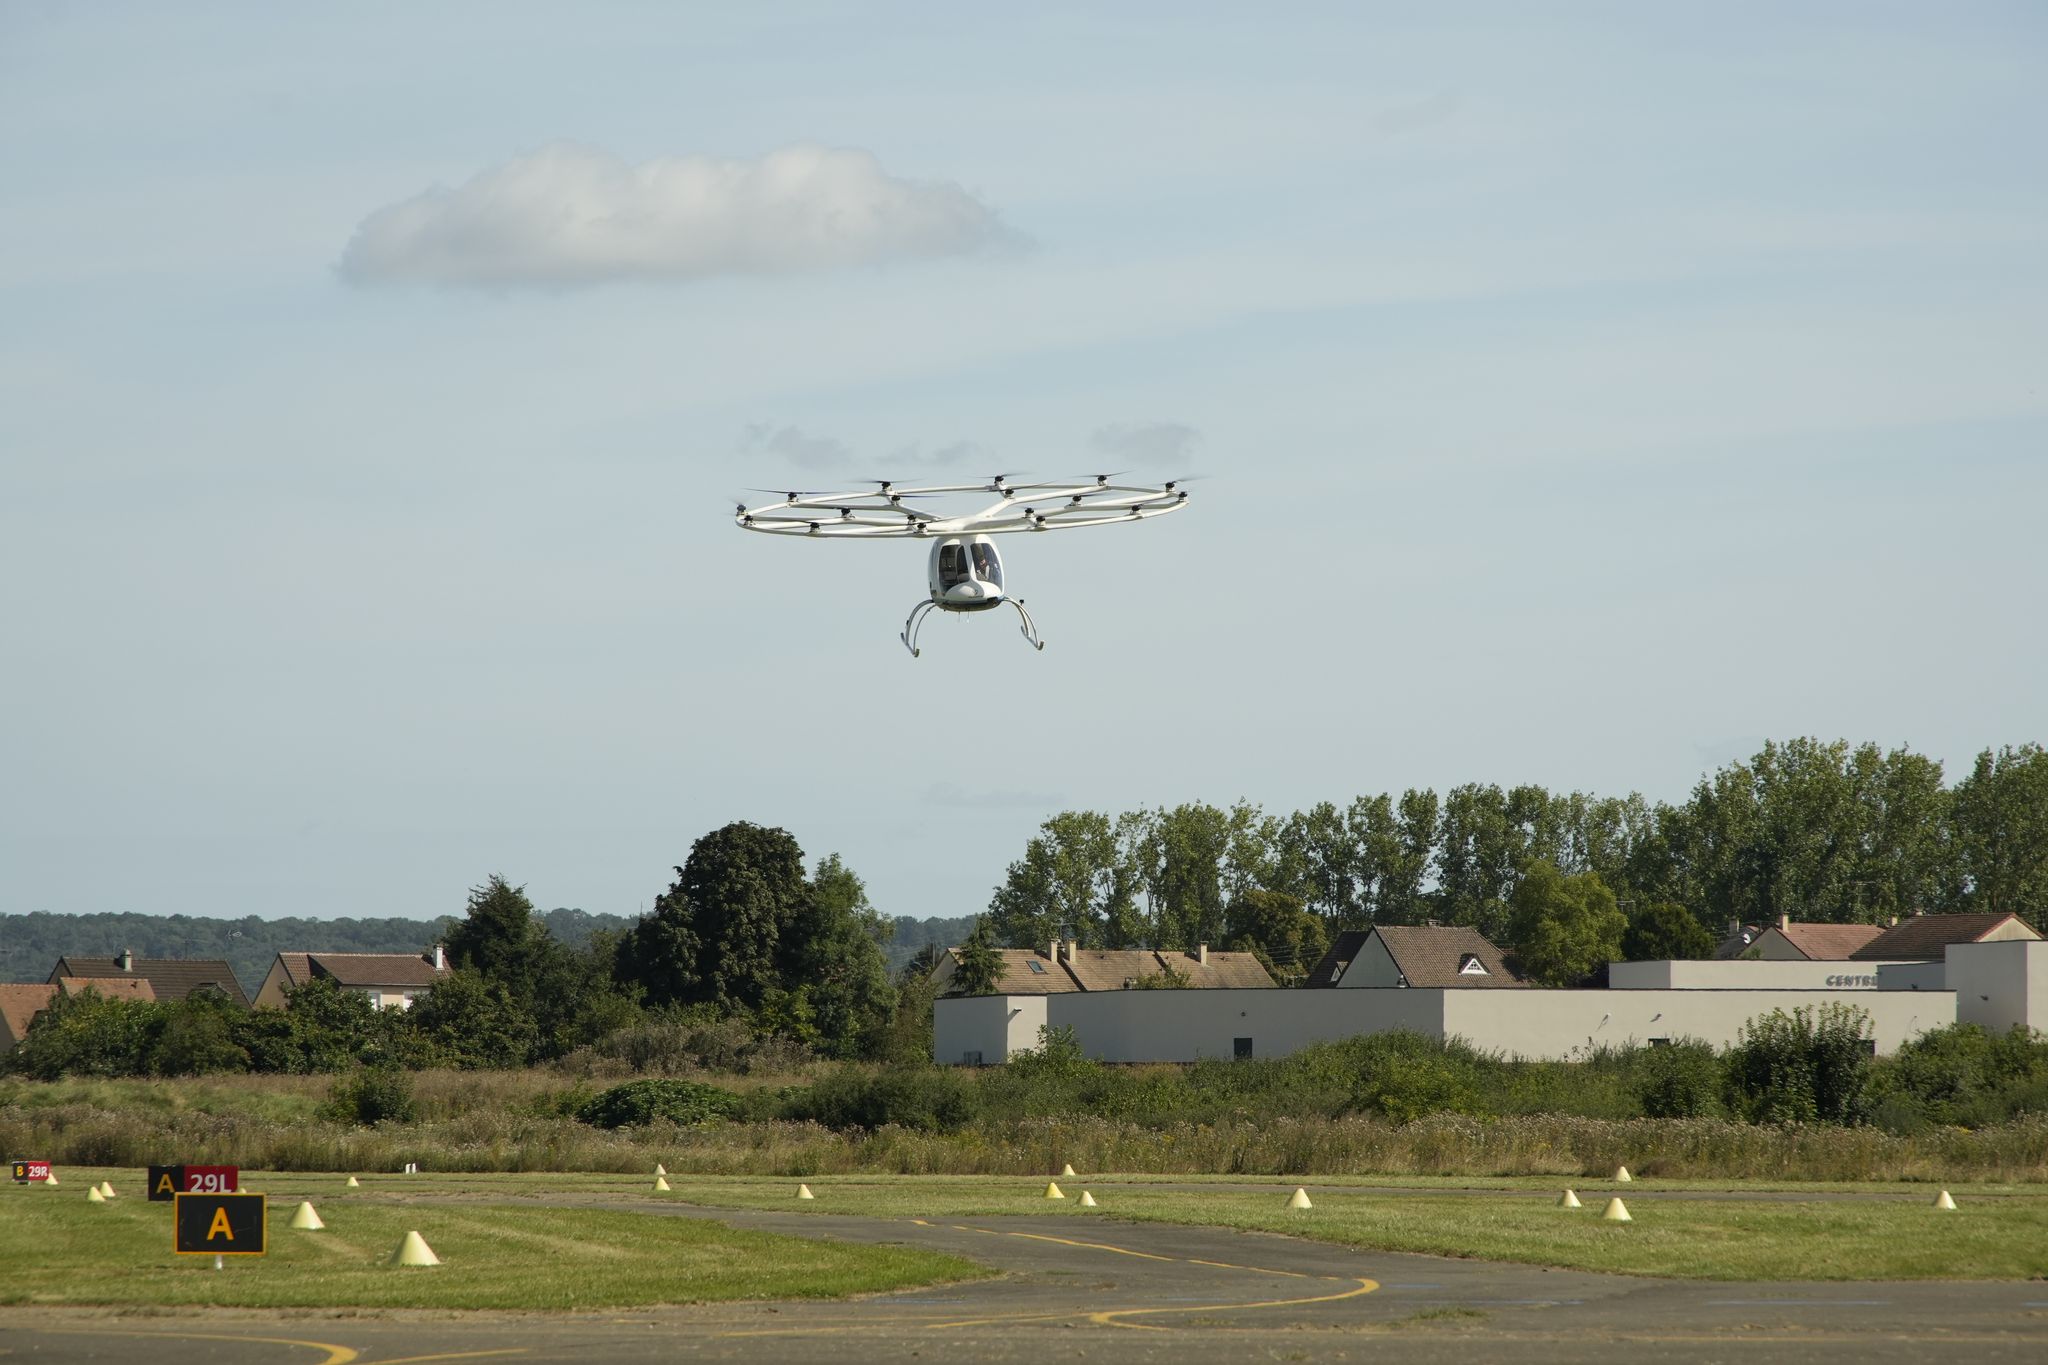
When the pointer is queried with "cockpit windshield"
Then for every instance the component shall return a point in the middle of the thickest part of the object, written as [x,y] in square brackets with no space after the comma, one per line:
[987,567]
[952,566]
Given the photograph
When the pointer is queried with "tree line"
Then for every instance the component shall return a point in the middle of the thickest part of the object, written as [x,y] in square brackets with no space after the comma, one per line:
[1820,831]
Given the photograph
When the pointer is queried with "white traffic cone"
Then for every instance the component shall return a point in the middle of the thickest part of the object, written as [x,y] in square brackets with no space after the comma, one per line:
[804,1192]
[93,1196]
[660,1169]
[1067,1171]
[661,1182]
[1621,1175]
[1052,1191]
[1944,1201]
[354,1183]
[1087,1200]
[1299,1200]
[414,1251]
[306,1218]
[1615,1212]
[1569,1200]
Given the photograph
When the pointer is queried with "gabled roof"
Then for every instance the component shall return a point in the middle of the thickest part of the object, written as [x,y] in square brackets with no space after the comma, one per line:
[1431,956]
[1028,971]
[1827,942]
[1926,938]
[361,969]
[172,978]
[108,987]
[1332,964]
[1111,969]
[20,1004]
[1739,939]
[1025,972]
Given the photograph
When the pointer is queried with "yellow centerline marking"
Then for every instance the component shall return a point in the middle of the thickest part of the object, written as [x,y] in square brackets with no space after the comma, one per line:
[1109,1317]
[455,1355]
[336,1355]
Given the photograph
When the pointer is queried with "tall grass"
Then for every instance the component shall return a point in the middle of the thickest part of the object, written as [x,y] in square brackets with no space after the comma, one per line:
[502,1138]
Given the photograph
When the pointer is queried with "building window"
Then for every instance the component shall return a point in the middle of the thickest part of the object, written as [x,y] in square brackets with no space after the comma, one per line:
[1660,1042]
[1470,965]
[1241,1048]
[1036,965]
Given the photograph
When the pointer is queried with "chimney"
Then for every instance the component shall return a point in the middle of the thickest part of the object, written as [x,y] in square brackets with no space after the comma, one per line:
[1069,948]
[1734,927]
[1052,951]
[127,959]
[1202,953]
[440,959]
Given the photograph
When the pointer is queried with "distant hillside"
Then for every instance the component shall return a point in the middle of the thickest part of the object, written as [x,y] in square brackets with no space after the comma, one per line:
[31,944]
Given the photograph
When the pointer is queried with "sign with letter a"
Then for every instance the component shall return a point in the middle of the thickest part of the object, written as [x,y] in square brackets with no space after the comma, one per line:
[166,1183]
[220,1224]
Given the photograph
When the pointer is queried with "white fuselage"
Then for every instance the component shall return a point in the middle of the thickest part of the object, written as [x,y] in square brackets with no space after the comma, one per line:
[965,574]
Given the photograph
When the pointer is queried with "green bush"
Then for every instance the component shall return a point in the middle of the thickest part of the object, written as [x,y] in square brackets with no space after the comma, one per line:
[1404,1075]
[642,1102]
[1811,1064]
[1962,1076]
[373,1095]
[927,1098]
[1679,1081]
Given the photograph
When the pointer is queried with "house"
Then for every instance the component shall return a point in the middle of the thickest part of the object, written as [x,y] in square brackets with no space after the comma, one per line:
[1064,965]
[108,987]
[1739,939]
[1787,941]
[169,978]
[1426,956]
[391,980]
[19,1005]
[1926,938]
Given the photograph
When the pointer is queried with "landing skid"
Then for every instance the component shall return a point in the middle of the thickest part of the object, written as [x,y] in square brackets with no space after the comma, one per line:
[918,614]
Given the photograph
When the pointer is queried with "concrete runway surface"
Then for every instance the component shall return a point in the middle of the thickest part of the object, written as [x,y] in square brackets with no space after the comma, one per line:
[1122,1291]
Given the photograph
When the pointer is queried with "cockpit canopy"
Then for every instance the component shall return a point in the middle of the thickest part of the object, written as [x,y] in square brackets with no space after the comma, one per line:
[966,570]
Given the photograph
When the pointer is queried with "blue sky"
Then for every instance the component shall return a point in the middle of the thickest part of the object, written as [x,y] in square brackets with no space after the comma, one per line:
[1581,397]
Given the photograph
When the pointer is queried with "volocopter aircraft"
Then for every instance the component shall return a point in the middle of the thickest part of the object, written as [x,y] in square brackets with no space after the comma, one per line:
[964,573]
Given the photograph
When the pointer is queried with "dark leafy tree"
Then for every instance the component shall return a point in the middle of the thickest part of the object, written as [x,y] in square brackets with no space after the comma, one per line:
[978,968]
[715,936]
[1661,931]
[1287,938]
[1564,928]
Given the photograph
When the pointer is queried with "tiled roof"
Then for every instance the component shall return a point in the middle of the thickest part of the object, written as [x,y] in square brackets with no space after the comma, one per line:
[1028,971]
[1828,942]
[1432,956]
[1332,964]
[19,1004]
[1926,937]
[172,978]
[1111,969]
[1738,941]
[375,969]
[108,987]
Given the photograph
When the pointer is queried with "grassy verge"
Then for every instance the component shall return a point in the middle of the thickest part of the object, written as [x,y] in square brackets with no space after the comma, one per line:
[1991,1237]
[57,1248]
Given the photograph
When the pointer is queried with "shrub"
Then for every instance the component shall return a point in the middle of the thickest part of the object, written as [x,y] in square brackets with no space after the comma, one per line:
[1810,1064]
[1680,1081]
[642,1102]
[1406,1075]
[928,1098]
[373,1095]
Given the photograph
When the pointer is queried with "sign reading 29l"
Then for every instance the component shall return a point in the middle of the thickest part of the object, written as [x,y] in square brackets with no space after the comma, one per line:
[168,1182]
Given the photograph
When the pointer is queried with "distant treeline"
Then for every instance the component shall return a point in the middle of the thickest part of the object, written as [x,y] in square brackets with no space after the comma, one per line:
[1817,830]
[31,944]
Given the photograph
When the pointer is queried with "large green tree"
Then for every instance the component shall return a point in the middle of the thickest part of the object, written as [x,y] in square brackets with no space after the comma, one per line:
[1070,883]
[1663,931]
[2001,834]
[1563,928]
[715,935]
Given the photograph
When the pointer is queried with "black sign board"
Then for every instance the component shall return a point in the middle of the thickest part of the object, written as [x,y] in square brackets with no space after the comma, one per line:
[220,1224]
[25,1171]
[167,1182]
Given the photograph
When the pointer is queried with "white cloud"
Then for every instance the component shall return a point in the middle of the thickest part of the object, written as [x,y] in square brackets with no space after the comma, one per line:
[798,447]
[1146,443]
[571,215]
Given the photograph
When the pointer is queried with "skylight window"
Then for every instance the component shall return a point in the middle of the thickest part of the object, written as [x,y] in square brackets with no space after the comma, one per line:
[1036,966]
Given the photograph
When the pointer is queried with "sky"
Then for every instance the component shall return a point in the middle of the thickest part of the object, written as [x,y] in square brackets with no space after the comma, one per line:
[1578,397]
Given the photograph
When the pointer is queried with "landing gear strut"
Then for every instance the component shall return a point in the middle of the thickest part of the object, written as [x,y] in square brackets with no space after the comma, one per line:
[918,614]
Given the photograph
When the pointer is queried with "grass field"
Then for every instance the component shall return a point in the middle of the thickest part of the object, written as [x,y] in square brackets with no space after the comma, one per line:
[583,1240]
[57,1248]
[1993,1236]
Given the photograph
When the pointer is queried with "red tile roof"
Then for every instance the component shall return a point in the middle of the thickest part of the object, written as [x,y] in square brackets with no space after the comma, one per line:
[1828,942]
[108,987]
[172,978]
[1926,937]
[20,1004]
